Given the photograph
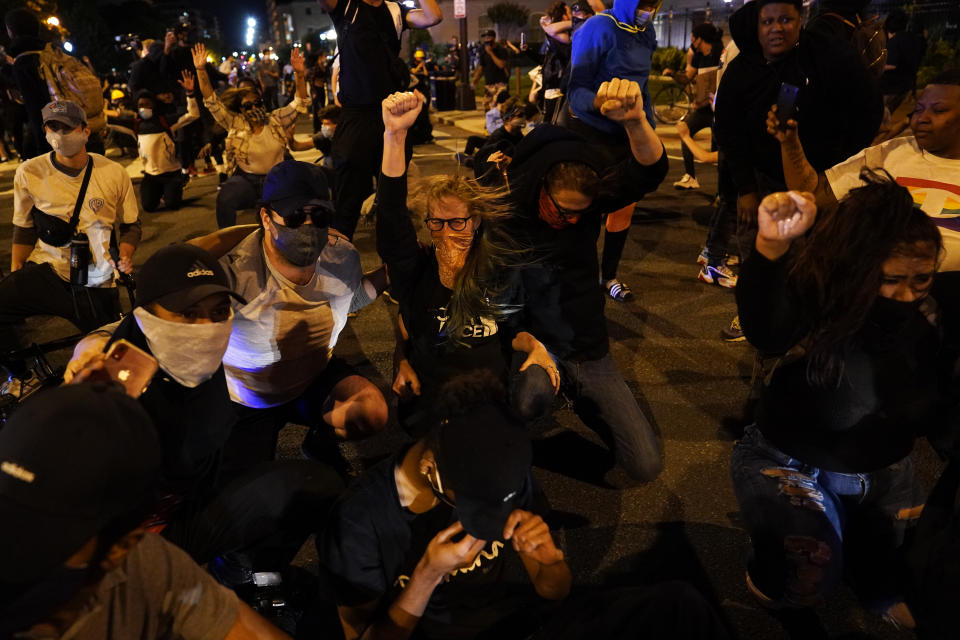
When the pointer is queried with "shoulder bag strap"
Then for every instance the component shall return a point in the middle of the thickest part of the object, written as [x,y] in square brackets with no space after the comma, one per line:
[75,218]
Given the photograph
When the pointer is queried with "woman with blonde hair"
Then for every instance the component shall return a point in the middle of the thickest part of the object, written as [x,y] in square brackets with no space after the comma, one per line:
[459,306]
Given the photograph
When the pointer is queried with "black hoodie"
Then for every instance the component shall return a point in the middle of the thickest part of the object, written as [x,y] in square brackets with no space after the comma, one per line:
[838,107]
[564,301]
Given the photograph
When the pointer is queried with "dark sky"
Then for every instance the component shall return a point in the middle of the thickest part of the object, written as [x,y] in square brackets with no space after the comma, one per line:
[233,14]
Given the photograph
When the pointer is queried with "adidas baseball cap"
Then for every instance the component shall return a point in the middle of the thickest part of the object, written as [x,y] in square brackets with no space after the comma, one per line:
[179,275]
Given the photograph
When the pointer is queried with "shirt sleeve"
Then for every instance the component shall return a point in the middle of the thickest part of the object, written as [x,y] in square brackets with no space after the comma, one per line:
[220,113]
[396,238]
[771,314]
[185,596]
[128,212]
[731,131]
[846,175]
[286,115]
[192,114]
[586,59]
[22,201]
[349,555]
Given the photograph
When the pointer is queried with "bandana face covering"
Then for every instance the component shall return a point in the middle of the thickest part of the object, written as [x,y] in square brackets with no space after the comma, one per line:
[452,251]
[550,214]
[256,116]
[145,114]
[67,144]
[190,353]
[301,246]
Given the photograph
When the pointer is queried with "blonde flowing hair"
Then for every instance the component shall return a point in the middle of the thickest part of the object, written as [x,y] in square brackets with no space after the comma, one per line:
[482,277]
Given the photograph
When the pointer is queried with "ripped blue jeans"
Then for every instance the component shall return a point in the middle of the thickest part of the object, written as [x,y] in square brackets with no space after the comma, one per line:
[811,528]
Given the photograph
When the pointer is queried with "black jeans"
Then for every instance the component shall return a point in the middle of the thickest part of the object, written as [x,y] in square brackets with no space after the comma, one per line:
[266,514]
[255,435]
[696,120]
[36,289]
[357,151]
[241,191]
[474,143]
[168,186]
[722,237]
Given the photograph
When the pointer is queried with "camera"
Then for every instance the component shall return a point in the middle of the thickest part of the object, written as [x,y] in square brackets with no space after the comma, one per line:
[79,259]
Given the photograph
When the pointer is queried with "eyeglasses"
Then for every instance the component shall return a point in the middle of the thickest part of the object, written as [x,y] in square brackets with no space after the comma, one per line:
[438,490]
[319,216]
[246,106]
[567,213]
[455,224]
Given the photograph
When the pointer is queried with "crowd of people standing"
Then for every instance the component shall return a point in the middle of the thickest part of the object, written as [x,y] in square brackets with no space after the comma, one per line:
[144,496]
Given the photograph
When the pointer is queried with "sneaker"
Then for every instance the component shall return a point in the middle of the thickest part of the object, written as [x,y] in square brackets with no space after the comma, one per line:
[702,259]
[463,159]
[686,182]
[732,260]
[734,333]
[719,275]
[618,290]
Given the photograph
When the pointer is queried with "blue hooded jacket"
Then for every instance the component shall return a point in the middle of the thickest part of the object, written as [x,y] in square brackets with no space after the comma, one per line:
[608,46]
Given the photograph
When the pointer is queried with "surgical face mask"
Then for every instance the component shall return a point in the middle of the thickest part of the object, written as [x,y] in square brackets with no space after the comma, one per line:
[67,144]
[301,246]
[146,114]
[327,131]
[645,14]
[190,353]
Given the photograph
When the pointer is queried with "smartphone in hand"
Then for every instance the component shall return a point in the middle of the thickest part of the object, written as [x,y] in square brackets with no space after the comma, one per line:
[787,104]
[130,366]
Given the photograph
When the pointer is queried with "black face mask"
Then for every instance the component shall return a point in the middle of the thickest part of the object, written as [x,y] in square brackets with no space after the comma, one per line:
[22,606]
[301,246]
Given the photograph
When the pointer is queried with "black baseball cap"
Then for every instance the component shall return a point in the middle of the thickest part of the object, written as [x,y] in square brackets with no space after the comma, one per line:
[179,275]
[489,33]
[485,457]
[292,185]
[72,459]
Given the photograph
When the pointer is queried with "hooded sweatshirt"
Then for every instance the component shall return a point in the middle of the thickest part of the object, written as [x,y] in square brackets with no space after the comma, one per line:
[564,302]
[838,106]
[608,46]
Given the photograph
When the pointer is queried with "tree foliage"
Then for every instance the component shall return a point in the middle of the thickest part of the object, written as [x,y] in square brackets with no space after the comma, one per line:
[508,17]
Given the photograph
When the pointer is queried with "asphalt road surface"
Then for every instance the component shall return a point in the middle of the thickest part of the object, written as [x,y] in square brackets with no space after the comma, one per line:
[666,341]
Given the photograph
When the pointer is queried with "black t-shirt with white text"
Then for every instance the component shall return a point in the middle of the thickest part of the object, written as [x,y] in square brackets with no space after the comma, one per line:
[369,43]
[372,544]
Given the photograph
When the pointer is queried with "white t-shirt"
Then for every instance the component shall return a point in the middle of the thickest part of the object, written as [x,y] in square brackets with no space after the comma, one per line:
[110,199]
[158,153]
[264,152]
[283,337]
[934,183]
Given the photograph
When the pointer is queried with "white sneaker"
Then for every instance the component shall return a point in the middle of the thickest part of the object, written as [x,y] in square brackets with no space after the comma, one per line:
[686,182]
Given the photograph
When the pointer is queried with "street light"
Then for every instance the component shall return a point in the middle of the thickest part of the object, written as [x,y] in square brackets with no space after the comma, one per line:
[53,21]
[68,47]
[251,22]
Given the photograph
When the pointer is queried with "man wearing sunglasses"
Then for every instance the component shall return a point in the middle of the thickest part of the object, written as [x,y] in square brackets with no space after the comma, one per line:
[300,280]
[420,541]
